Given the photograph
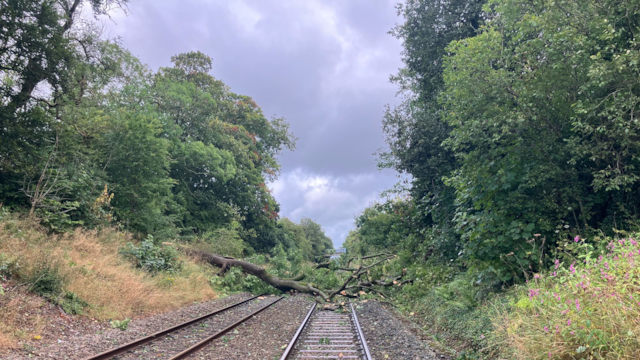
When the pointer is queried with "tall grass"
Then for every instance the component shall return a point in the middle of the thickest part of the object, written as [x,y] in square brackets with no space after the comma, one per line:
[585,308]
[89,265]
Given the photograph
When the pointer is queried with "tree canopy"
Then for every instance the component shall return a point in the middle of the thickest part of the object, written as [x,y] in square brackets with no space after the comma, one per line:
[518,128]
[91,136]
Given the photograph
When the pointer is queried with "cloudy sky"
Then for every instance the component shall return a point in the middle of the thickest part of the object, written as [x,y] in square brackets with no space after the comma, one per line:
[323,65]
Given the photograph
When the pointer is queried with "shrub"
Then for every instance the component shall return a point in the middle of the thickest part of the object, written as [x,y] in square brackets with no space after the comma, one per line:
[460,293]
[8,266]
[54,215]
[224,242]
[151,257]
[586,308]
[71,303]
[46,280]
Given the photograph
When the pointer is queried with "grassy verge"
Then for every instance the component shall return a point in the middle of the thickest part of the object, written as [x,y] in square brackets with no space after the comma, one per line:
[84,273]
[587,306]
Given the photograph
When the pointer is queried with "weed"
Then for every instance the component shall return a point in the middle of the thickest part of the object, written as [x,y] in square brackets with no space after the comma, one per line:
[46,279]
[586,307]
[120,324]
[8,266]
[153,258]
[72,304]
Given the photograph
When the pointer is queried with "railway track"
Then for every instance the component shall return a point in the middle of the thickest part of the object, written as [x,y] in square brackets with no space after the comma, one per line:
[183,340]
[328,335]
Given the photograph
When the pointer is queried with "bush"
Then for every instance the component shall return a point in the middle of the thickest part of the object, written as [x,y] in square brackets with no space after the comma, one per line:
[153,258]
[460,293]
[587,308]
[8,266]
[46,280]
[71,303]
[224,242]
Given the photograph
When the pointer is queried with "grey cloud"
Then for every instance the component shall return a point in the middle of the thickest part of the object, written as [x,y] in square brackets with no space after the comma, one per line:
[330,200]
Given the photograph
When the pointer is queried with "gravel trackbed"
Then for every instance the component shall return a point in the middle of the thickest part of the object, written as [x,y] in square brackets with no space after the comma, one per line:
[262,337]
[387,336]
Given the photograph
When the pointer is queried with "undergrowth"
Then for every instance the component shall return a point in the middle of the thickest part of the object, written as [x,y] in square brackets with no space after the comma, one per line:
[586,307]
[47,280]
[84,273]
[152,257]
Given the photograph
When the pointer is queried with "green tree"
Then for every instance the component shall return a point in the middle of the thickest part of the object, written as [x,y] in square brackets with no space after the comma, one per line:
[320,243]
[225,151]
[415,129]
[542,109]
[51,45]
[138,168]
[295,237]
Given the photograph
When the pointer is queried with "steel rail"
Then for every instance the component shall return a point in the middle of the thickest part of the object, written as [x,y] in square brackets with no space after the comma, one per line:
[136,343]
[287,351]
[206,341]
[360,334]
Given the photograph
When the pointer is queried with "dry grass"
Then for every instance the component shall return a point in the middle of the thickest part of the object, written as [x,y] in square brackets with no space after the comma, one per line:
[92,268]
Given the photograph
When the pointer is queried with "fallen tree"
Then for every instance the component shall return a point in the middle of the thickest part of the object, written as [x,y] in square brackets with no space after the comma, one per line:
[355,284]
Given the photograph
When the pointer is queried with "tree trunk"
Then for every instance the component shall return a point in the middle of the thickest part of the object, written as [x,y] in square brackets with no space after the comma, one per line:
[225,263]
[347,290]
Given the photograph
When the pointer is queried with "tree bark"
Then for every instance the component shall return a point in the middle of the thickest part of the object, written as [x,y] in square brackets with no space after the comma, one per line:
[225,263]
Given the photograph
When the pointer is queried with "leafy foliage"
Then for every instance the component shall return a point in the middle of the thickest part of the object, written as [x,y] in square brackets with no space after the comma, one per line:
[48,281]
[72,304]
[586,306]
[518,130]
[226,242]
[235,280]
[320,243]
[151,257]
[518,120]
[415,129]
[120,324]
[181,155]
